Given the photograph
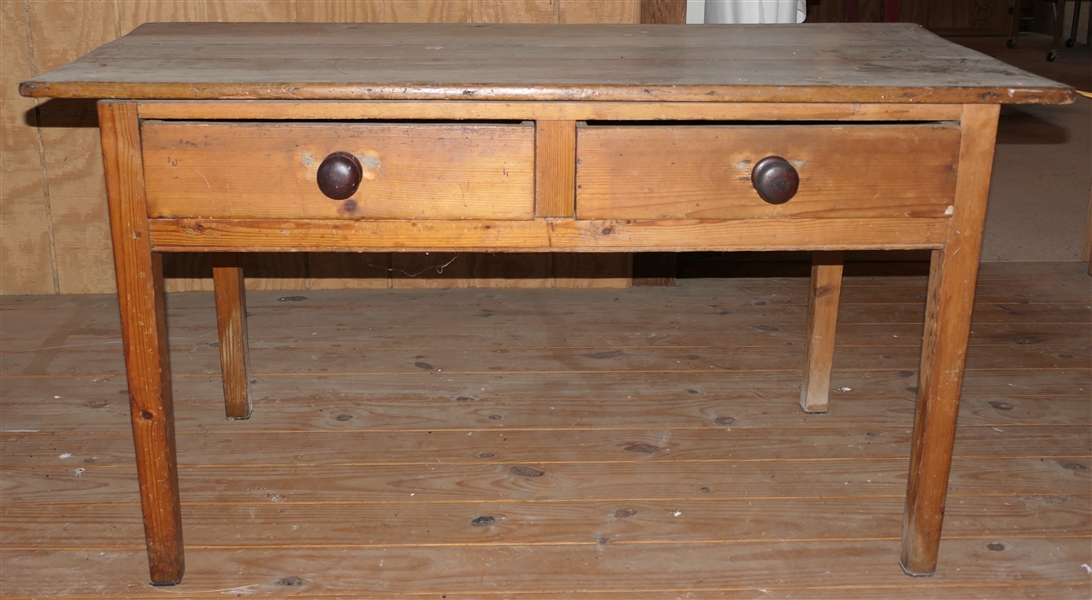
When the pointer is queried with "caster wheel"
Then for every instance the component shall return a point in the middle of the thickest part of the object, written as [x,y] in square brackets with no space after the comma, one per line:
[1052,56]
[1069,42]
[1011,43]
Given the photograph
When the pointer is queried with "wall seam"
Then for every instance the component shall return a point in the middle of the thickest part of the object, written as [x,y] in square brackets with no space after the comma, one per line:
[41,153]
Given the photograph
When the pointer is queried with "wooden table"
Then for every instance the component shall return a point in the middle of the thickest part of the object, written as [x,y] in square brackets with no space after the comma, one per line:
[230,138]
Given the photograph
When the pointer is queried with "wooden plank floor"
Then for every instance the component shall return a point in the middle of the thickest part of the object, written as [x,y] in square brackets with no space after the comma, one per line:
[640,443]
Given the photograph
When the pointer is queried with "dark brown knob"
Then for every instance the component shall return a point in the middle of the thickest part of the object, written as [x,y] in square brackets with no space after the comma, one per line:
[775,179]
[339,175]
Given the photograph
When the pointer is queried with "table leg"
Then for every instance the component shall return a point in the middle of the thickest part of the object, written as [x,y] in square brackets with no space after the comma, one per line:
[144,337]
[1059,27]
[227,282]
[948,309]
[1016,23]
[1076,24]
[825,291]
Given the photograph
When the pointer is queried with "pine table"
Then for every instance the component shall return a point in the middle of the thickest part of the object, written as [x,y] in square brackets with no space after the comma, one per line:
[257,137]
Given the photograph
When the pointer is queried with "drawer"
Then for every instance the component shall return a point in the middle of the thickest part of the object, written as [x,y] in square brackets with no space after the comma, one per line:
[269,170]
[704,171]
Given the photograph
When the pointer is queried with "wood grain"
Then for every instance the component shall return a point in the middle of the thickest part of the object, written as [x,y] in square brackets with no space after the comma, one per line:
[598,11]
[251,10]
[663,12]
[606,387]
[590,569]
[187,272]
[355,271]
[26,244]
[60,32]
[547,111]
[230,292]
[427,11]
[180,235]
[1086,250]
[775,350]
[513,11]
[144,331]
[61,23]
[203,412]
[824,292]
[485,481]
[1019,493]
[691,447]
[275,271]
[555,168]
[969,17]
[944,349]
[518,270]
[543,523]
[133,13]
[1014,285]
[983,406]
[654,269]
[592,270]
[337,11]
[678,172]
[297,61]
[954,241]
[246,170]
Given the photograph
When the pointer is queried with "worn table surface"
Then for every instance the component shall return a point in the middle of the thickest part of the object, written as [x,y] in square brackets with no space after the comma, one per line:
[740,63]
[691,69]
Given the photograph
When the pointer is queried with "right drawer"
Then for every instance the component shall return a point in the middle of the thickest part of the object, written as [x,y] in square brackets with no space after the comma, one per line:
[704,171]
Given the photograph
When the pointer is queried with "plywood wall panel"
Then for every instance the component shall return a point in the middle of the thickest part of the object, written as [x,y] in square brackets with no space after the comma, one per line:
[348,271]
[187,272]
[522,270]
[599,11]
[55,227]
[25,262]
[61,31]
[251,10]
[415,270]
[427,11]
[340,11]
[514,11]
[275,271]
[593,270]
[132,13]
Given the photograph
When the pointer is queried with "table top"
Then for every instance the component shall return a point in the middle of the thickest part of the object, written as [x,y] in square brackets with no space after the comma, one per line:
[888,63]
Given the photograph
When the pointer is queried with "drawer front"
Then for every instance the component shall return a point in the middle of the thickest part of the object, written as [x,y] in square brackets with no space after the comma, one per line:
[270,170]
[704,172]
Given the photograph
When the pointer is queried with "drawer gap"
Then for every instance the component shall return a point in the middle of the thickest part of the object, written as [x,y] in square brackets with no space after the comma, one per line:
[695,123]
[478,122]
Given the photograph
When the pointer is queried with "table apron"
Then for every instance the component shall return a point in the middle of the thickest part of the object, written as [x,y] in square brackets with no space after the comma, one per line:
[282,110]
[546,235]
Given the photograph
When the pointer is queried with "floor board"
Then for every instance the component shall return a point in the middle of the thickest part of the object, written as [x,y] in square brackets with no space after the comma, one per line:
[555,443]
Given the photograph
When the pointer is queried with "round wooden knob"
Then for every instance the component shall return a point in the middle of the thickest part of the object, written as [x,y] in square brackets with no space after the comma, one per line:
[339,175]
[775,179]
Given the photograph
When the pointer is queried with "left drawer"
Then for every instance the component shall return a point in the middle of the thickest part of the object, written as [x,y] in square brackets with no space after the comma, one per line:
[264,170]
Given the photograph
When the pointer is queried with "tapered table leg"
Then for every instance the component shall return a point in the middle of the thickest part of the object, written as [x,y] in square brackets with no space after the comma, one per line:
[825,291]
[144,336]
[227,281]
[944,349]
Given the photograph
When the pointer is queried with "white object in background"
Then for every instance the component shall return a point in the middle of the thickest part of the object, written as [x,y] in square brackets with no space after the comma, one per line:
[755,11]
[695,12]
